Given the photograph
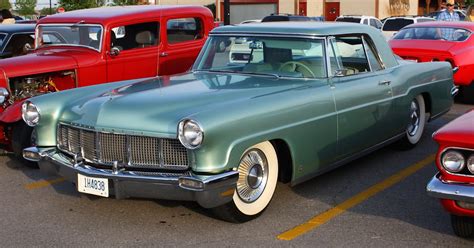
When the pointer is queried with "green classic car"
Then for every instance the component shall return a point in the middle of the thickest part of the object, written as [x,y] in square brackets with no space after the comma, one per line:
[305,98]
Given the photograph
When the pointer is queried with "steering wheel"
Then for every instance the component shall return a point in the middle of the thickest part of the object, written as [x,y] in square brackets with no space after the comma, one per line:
[295,66]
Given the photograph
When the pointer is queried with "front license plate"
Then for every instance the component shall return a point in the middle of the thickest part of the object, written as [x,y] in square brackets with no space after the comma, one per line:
[93,185]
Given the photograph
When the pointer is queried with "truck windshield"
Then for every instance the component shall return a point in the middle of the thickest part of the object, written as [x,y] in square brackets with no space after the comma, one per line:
[266,56]
[85,35]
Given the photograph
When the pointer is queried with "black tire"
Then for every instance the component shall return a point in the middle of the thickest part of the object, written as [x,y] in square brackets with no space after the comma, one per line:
[466,94]
[416,124]
[463,226]
[21,139]
[258,175]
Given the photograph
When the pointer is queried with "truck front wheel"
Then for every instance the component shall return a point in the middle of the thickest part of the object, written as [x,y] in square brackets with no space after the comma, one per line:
[22,137]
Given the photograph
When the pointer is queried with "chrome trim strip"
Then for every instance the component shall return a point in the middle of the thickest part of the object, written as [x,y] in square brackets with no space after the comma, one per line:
[450,190]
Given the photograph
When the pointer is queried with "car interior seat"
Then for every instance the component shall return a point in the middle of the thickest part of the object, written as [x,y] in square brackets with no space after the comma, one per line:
[145,39]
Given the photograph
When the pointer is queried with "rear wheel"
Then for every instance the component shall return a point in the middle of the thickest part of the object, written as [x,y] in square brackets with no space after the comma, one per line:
[23,136]
[258,174]
[416,124]
[463,226]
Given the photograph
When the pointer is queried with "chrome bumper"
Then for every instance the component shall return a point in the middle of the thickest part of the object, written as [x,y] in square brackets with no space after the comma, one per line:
[209,190]
[448,190]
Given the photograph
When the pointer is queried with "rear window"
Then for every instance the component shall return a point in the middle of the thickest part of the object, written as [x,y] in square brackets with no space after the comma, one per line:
[432,33]
[348,19]
[396,24]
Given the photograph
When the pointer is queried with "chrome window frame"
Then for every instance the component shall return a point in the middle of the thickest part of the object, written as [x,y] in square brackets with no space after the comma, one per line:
[72,45]
[275,35]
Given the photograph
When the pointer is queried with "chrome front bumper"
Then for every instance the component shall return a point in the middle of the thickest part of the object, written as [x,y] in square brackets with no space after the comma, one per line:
[450,190]
[208,190]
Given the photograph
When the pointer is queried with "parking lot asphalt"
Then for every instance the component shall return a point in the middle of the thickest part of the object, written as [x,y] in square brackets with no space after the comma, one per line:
[378,200]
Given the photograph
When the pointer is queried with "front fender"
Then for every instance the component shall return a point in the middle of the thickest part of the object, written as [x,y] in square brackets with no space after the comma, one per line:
[12,113]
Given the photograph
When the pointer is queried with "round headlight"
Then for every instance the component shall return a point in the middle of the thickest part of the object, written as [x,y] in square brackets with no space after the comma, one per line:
[452,161]
[470,163]
[30,113]
[3,95]
[190,134]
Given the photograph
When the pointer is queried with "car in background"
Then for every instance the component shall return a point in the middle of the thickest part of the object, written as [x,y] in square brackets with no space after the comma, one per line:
[392,25]
[454,183]
[461,13]
[362,19]
[290,18]
[224,133]
[441,41]
[16,39]
[95,46]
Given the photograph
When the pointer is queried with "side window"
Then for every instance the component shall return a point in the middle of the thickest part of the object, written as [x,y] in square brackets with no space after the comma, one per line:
[135,36]
[373,23]
[16,45]
[366,22]
[184,29]
[371,54]
[349,50]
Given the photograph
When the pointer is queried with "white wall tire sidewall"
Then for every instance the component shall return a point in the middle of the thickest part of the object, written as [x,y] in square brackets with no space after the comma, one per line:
[416,138]
[261,203]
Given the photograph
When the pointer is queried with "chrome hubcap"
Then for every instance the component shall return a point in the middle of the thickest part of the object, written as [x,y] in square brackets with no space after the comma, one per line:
[253,175]
[414,123]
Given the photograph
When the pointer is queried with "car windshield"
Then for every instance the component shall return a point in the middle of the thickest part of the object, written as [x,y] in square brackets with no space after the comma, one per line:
[265,56]
[396,24]
[433,33]
[70,35]
[2,39]
[348,19]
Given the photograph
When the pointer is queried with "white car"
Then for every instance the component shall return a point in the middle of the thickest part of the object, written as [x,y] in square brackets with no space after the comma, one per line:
[362,19]
[393,24]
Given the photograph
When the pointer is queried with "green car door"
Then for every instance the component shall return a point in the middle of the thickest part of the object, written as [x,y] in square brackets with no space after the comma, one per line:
[362,94]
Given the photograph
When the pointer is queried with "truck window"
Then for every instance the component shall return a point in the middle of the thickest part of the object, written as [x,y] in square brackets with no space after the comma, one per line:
[184,29]
[135,36]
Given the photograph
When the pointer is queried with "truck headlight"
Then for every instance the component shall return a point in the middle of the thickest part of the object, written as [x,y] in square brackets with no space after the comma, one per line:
[470,163]
[30,113]
[3,95]
[190,134]
[453,161]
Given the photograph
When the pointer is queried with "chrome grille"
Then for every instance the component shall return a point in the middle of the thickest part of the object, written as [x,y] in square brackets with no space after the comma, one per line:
[130,150]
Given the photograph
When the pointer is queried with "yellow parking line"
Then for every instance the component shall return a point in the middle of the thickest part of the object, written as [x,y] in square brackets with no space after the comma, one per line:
[325,217]
[43,183]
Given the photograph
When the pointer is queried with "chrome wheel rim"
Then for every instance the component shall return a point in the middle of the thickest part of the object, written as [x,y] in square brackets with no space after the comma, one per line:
[253,175]
[414,123]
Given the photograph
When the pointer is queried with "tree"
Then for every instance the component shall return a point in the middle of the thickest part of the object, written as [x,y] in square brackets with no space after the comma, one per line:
[25,7]
[5,4]
[47,11]
[69,5]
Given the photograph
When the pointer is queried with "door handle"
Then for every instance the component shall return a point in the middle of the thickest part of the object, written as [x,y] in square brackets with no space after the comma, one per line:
[163,54]
[385,82]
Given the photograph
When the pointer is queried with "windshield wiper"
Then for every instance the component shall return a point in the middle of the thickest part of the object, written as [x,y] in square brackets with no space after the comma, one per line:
[242,72]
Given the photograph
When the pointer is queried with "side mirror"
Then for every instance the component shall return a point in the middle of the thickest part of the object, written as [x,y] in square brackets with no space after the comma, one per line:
[114,51]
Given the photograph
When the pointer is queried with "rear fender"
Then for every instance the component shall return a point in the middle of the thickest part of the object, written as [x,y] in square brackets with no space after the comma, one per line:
[12,113]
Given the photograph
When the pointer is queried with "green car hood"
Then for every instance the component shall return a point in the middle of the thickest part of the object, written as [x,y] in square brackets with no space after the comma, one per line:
[154,107]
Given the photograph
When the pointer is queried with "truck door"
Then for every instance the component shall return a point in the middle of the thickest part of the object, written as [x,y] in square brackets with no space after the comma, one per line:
[133,51]
[183,39]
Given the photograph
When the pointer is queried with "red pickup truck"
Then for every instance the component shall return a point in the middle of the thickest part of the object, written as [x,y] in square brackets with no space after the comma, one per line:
[95,46]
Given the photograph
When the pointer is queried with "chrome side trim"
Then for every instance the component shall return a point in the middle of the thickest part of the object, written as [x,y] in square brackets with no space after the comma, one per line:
[450,190]
[454,91]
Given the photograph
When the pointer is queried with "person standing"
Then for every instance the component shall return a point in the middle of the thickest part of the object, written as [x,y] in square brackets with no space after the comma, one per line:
[470,13]
[449,14]
[7,17]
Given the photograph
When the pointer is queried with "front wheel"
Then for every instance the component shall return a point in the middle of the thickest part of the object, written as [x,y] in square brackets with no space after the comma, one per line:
[258,174]
[23,136]
[416,123]
[463,226]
